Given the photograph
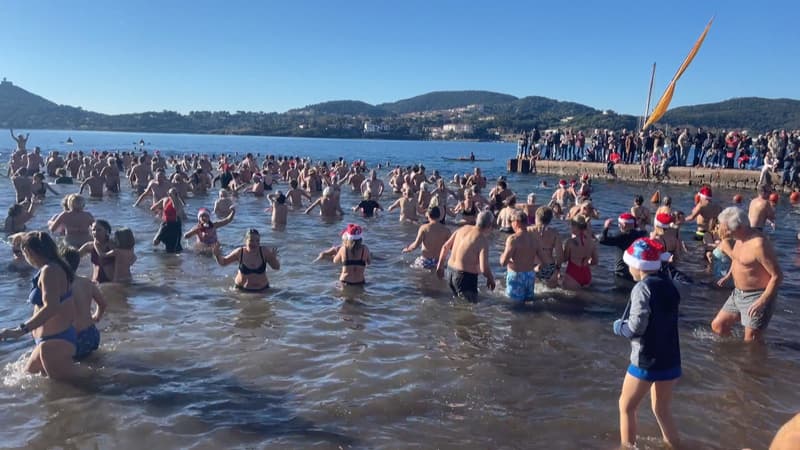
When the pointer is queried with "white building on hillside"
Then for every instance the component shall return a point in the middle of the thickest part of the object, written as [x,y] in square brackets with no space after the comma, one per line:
[458,128]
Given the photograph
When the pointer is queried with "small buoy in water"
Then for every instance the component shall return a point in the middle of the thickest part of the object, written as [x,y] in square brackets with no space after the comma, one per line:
[656,198]
[794,197]
[774,197]
[738,199]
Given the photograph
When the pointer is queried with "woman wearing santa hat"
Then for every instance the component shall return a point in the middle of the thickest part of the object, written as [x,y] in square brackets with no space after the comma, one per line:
[353,255]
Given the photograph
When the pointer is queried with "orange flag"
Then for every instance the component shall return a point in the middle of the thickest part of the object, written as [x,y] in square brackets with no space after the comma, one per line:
[663,103]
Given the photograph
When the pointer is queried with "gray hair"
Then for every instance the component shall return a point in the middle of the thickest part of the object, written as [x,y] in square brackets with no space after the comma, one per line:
[733,218]
[485,220]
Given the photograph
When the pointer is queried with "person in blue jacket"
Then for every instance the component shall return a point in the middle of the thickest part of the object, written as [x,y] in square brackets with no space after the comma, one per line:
[651,323]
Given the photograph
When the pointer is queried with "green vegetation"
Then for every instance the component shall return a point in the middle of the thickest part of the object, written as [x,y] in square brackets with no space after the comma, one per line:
[752,113]
[482,115]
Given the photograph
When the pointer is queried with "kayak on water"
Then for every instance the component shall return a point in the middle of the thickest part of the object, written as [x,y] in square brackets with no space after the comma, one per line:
[467,159]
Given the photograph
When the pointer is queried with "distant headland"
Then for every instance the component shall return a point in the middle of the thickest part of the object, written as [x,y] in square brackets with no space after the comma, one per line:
[455,115]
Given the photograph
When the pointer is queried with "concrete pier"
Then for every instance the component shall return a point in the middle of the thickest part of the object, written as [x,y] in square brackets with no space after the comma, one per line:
[727,178]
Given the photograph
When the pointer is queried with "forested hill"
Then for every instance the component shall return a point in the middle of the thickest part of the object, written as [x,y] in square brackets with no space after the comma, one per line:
[480,115]
[755,113]
[435,101]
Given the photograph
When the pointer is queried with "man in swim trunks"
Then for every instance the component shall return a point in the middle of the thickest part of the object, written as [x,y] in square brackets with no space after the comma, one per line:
[761,210]
[706,212]
[520,255]
[628,233]
[432,237]
[756,277]
[468,258]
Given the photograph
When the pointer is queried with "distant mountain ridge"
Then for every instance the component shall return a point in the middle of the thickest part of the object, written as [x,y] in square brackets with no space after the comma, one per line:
[755,113]
[488,116]
[441,100]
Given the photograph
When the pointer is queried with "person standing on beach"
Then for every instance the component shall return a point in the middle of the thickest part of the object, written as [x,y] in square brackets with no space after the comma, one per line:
[756,277]
[705,212]
[468,248]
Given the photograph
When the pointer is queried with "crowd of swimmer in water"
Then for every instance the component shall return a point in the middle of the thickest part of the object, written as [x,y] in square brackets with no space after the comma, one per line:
[63,322]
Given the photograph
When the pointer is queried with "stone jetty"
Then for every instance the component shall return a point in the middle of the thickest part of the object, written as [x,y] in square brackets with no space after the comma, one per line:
[727,178]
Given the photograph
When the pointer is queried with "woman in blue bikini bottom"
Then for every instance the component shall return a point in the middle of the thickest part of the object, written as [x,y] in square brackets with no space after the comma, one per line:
[53,333]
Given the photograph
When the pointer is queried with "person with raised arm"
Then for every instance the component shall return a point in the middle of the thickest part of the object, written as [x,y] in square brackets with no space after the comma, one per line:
[253,259]
[21,140]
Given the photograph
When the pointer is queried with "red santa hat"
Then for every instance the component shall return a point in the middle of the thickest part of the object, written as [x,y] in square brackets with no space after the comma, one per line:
[352,232]
[562,183]
[705,193]
[585,177]
[626,218]
[663,220]
[644,254]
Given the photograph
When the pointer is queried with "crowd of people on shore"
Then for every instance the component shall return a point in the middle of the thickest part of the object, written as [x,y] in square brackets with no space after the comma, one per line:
[657,150]
[457,221]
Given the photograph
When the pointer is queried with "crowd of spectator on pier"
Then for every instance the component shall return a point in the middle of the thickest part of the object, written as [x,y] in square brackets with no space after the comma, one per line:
[656,150]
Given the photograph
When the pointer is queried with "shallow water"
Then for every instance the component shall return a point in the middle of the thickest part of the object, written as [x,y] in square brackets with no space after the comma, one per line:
[188,362]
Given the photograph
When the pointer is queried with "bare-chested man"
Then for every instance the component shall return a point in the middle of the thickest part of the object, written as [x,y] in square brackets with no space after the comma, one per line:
[355,179]
[158,188]
[23,185]
[520,256]
[409,208]
[761,210]
[95,183]
[140,175]
[432,237]
[561,196]
[295,195]
[706,212]
[110,173]
[477,179]
[373,184]
[756,277]
[34,161]
[468,248]
[21,140]
[329,207]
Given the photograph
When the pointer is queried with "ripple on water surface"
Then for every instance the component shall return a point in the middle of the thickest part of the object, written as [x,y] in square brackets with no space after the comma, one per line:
[188,362]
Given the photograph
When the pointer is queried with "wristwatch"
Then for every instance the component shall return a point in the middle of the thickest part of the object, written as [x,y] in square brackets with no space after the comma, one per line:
[24,328]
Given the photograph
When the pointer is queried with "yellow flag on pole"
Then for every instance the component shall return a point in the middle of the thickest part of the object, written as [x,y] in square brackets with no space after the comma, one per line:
[663,103]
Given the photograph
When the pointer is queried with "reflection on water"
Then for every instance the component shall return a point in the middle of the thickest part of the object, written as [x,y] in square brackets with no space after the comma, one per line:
[187,361]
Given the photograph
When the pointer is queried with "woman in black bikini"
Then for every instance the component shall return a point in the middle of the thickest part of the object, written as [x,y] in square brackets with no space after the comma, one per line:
[253,259]
[353,255]
[468,209]
[103,266]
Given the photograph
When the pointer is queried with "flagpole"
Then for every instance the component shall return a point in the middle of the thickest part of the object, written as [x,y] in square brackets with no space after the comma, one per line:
[649,97]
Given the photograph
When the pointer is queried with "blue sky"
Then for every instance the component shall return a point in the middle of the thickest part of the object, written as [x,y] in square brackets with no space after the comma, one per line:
[116,57]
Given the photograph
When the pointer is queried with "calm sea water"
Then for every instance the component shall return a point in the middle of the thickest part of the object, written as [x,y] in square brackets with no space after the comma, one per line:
[187,362]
